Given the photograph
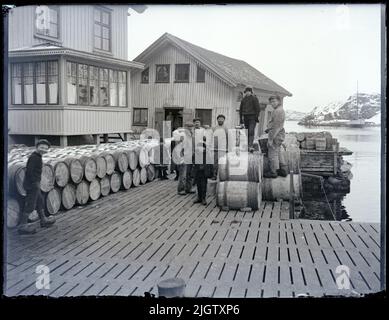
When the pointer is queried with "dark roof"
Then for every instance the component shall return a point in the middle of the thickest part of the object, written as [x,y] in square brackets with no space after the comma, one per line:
[235,72]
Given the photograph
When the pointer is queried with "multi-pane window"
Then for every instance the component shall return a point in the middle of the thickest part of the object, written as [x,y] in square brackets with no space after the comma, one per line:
[71,72]
[83,84]
[113,87]
[35,83]
[122,88]
[200,74]
[102,29]
[52,79]
[182,73]
[162,73]
[145,76]
[140,116]
[94,86]
[40,79]
[16,84]
[104,87]
[47,21]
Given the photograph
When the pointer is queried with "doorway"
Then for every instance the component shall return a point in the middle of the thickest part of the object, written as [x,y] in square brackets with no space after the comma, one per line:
[175,116]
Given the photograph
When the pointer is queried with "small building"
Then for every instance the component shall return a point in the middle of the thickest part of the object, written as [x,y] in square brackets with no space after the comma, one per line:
[181,81]
[69,73]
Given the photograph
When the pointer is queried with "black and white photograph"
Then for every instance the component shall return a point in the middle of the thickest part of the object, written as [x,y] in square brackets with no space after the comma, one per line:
[194,151]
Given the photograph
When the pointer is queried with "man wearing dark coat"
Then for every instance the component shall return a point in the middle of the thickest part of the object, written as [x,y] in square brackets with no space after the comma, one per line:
[34,199]
[201,171]
[249,113]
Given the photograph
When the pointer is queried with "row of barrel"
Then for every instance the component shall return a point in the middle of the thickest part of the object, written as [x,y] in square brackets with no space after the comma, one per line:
[76,175]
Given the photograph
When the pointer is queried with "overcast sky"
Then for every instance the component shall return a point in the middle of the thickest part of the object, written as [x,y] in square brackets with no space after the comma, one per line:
[317,52]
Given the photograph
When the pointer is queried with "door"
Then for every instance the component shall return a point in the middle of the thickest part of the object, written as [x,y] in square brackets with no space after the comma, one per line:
[187,116]
[159,118]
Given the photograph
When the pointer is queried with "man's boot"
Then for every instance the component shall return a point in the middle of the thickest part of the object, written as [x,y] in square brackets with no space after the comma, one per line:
[270,174]
[46,221]
[25,227]
[282,172]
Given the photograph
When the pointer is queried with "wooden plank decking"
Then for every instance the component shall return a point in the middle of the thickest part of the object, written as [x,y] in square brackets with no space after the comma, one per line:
[127,242]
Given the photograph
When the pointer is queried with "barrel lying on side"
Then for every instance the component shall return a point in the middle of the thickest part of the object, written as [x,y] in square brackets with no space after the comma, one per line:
[115,181]
[279,188]
[94,189]
[150,172]
[13,212]
[16,174]
[105,186]
[75,169]
[143,175]
[136,177]
[61,172]
[47,178]
[90,168]
[127,179]
[68,196]
[241,167]
[239,194]
[53,201]
[82,192]
[121,160]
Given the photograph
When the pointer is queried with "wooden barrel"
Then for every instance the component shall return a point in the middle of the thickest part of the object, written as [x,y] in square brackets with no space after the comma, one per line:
[75,169]
[136,177]
[94,190]
[239,194]
[105,186]
[47,177]
[110,161]
[16,174]
[278,188]
[150,172]
[143,175]
[291,157]
[132,156]
[82,192]
[144,159]
[101,166]
[68,196]
[127,179]
[115,181]
[121,160]
[242,167]
[13,212]
[61,172]
[90,168]
[321,143]
[155,156]
[53,201]
[310,143]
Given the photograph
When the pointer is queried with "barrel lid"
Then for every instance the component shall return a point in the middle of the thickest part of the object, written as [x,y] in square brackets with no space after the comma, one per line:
[171,283]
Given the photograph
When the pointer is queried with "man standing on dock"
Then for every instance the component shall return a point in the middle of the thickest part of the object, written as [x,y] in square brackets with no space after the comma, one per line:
[249,113]
[276,133]
[34,199]
[220,135]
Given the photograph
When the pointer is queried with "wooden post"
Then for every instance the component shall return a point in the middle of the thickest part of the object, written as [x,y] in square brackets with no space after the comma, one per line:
[291,196]
[335,147]
[63,141]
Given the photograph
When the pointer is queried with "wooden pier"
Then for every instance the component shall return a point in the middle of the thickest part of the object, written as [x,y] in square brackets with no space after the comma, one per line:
[125,243]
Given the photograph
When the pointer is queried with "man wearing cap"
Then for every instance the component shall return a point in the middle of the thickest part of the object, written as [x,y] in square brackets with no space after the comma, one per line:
[220,136]
[249,113]
[276,132]
[34,199]
[182,155]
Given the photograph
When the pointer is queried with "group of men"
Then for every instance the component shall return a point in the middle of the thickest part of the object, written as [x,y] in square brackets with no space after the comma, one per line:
[192,168]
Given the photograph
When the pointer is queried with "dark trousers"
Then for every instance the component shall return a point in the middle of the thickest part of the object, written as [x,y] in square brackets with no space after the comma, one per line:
[34,200]
[249,123]
[201,182]
[185,180]
[162,172]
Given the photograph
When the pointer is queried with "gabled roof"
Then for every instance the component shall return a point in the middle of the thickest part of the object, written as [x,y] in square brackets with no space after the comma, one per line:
[233,71]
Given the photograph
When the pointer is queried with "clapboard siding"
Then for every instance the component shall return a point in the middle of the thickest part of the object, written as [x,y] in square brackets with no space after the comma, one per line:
[68,121]
[213,94]
[75,29]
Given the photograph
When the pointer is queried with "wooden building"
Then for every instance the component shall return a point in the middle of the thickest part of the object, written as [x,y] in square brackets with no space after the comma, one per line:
[69,73]
[181,81]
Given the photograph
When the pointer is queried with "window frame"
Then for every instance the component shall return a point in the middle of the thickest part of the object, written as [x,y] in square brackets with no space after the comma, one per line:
[34,75]
[101,24]
[45,36]
[197,74]
[148,76]
[176,72]
[156,73]
[134,123]
[198,116]
[99,67]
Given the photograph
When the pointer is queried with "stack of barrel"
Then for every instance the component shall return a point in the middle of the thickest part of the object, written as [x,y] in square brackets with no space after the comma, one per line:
[320,141]
[76,175]
[239,181]
[279,188]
